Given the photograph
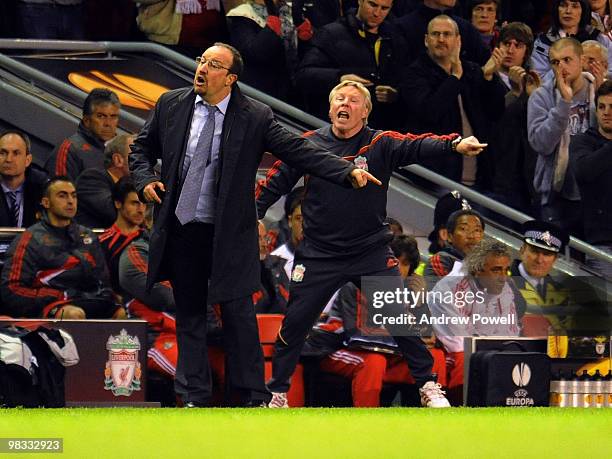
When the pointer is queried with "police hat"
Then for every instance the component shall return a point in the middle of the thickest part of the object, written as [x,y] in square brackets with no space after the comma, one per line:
[446,205]
[544,235]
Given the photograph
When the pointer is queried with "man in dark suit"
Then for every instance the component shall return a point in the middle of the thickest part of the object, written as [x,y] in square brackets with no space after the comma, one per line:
[210,139]
[22,182]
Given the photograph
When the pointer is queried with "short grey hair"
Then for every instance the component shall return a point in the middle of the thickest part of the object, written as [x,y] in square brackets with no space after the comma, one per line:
[595,44]
[120,144]
[474,262]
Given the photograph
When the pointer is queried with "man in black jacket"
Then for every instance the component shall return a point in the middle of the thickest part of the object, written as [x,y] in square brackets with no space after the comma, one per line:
[210,139]
[413,26]
[95,186]
[512,157]
[443,93]
[345,234]
[22,182]
[591,159]
[362,46]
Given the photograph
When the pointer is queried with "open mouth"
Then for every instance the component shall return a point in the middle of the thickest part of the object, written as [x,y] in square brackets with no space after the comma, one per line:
[200,80]
[342,115]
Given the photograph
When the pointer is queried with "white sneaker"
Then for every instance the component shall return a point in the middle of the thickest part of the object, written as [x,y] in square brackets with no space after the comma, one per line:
[279,400]
[432,395]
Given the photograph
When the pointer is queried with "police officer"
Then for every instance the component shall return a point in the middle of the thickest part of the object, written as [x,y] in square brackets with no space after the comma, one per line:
[544,295]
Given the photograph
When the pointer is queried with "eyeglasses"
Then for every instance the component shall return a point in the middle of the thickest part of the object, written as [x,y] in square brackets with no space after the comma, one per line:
[437,34]
[211,63]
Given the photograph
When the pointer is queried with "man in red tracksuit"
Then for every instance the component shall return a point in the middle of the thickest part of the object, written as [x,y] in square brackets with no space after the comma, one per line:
[56,267]
[345,236]
[85,149]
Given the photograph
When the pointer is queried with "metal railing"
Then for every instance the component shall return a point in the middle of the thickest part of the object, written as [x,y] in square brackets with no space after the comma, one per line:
[500,208]
[110,47]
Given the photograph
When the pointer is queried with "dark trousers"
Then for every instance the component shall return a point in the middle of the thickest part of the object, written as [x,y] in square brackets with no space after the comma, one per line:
[189,254]
[322,276]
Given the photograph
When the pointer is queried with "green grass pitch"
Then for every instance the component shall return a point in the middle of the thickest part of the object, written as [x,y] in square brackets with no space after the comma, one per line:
[314,433]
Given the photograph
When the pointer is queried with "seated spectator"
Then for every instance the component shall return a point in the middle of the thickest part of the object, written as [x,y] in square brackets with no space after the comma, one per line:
[570,18]
[465,229]
[542,243]
[484,15]
[445,206]
[22,181]
[127,226]
[85,149]
[266,35]
[591,157]
[559,109]
[513,159]
[484,277]
[56,268]
[51,19]
[595,60]
[443,93]
[95,186]
[363,46]
[347,350]
[414,27]
[188,26]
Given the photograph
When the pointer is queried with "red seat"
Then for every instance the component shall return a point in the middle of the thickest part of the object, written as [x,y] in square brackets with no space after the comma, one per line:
[535,325]
[269,325]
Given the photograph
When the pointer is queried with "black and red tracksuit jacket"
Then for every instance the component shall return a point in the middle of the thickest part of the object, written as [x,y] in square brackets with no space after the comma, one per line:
[82,150]
[48,266]
[127,256]
[345,221]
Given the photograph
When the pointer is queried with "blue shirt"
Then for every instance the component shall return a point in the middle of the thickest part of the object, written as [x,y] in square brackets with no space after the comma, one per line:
[205,211]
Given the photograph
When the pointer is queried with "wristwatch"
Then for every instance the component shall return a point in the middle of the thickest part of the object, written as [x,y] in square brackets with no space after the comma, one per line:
[456,142]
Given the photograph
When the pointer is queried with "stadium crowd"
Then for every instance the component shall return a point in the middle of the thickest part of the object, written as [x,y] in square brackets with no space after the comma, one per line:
[526,79]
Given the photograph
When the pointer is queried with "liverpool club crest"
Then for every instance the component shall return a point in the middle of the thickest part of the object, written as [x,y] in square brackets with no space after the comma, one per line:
[361,162]
[122,372]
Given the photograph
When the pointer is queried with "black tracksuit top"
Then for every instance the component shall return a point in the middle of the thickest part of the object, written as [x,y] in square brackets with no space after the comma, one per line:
[345,221]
